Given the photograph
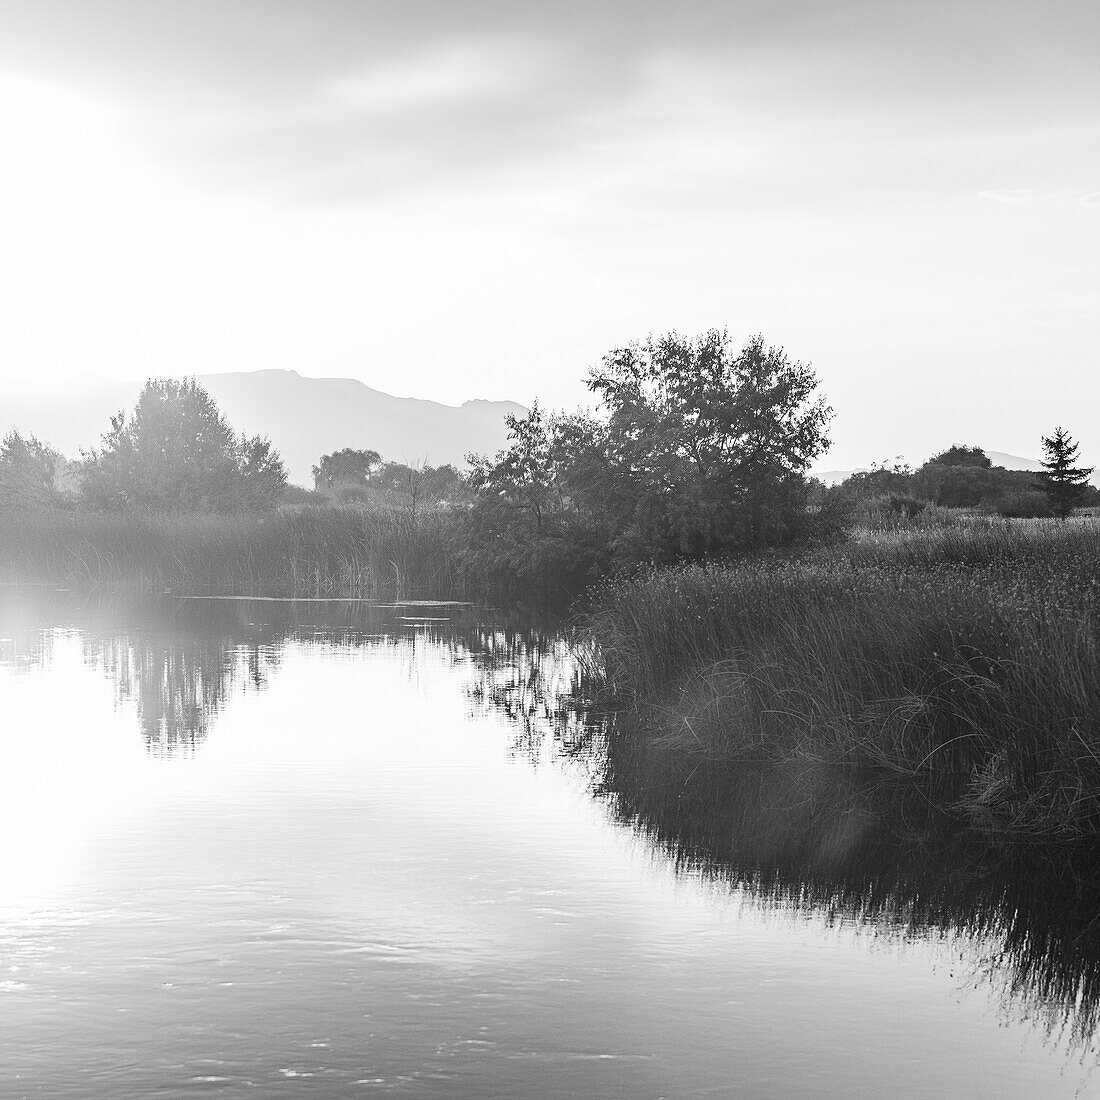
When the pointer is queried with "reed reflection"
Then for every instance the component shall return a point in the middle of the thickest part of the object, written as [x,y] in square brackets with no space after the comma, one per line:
[861,849]
[828,843]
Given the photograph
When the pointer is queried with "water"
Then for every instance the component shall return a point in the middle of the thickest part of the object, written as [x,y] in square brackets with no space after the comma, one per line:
[343,849]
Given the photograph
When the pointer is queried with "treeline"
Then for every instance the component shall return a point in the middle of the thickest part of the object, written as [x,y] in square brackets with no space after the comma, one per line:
[697,450]
[965,477]
[176,454]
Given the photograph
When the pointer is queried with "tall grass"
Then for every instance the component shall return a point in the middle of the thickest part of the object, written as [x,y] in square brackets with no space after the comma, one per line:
[966,653]
[300,552]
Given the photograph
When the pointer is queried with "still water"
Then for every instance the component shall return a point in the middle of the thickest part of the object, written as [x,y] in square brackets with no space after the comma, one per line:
[340,849]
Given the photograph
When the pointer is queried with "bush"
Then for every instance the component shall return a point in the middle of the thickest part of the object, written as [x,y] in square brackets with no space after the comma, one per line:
[1026,504]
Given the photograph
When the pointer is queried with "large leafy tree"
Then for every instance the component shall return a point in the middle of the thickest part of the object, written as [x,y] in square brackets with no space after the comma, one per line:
[703,446]
[177,453]
[697,450]
[1064,482]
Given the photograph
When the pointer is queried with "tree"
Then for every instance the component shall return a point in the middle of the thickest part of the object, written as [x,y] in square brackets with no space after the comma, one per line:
[1063,482]
[882,478]
[178,453]
[525,520]
[522,474]
[961,455]
[30,472]
[704,448]
[697,451]
[345,467]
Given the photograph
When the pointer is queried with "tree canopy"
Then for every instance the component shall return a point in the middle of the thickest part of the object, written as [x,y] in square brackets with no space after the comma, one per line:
[177,453]
[29,472]
[962,455]
[703,447]
[696,450]
[345,467]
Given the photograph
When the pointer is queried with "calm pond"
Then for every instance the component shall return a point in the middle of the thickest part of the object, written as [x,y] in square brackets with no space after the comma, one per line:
[344,848]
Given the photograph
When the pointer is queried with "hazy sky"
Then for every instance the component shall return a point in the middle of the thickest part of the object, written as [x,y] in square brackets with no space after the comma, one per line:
[478,199]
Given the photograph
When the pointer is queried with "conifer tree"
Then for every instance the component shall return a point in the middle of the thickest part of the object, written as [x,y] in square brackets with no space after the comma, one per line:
[1063,482]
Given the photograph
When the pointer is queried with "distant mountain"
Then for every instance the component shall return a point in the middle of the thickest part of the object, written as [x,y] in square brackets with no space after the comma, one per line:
[1013,462]
[304,417]
[998,458]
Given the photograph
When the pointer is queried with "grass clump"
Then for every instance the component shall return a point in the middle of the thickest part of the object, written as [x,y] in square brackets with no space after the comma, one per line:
[968,653]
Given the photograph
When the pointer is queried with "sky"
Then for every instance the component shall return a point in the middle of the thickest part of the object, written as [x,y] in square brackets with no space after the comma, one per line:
[468,199]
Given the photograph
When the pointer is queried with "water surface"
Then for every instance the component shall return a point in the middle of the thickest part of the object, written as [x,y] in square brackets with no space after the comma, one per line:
[343,849]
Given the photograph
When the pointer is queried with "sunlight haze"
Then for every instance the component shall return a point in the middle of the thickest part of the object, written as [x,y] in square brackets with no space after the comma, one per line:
[478,201]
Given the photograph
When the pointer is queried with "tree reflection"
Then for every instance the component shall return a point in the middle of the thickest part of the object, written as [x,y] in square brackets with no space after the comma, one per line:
[531,675]
[179,686]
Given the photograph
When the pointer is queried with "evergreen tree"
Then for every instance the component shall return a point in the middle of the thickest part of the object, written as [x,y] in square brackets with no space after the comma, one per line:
[1063,482]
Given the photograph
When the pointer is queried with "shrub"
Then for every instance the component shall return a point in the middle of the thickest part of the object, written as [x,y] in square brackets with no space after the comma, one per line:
[1025,504]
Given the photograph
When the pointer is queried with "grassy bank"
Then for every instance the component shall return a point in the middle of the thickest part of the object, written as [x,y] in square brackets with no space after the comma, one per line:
[301,552]
[968,654]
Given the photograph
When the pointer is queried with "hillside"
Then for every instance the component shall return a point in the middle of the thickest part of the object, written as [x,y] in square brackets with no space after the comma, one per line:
[304,417]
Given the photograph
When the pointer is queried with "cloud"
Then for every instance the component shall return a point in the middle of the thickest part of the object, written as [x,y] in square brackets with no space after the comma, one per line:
[433,79]
[1013,196]
[328,102]
[1061,199]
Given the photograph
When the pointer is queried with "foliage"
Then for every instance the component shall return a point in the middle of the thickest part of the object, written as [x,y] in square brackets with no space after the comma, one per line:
[1063,481]
[704,448]
[527,523]
[882,478]
[177,453]
[30,472]
[363,478]
[418,486]
[1025,504]
[958,477]
[698,451]
[345,467]
[962,455]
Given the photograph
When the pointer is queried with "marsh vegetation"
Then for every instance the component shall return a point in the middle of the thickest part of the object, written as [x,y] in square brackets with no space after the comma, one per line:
[742,611]
[967,653]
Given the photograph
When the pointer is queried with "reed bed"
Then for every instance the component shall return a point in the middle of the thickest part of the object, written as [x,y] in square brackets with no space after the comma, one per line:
[968,654]
[294,552]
